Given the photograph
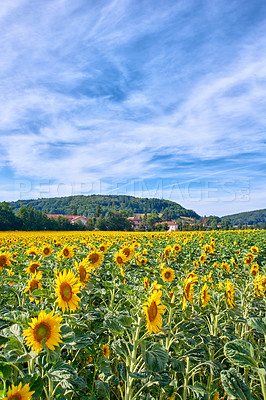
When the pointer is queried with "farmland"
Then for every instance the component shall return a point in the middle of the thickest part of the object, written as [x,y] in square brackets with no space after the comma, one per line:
[111,315]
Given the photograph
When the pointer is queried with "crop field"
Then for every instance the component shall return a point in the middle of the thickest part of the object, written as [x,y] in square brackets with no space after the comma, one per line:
[96,315]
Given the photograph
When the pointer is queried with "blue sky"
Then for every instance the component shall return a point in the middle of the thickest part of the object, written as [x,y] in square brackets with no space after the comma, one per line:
[149,98]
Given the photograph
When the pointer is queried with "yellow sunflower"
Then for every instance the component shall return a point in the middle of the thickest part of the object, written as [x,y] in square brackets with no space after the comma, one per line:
[249,258]
[254,249]
[205,297]
[120,259]
[66,290]
[177,248]
[19,392]
[102,248]
[95,259]
[128,252]
[33,268]
[34,283]
[83,272]
[153,310]
[146,283]
[32,251]
[229,287]
[47,250]
[5,260]
[46,326]
[105,350]
[67,252]
[254,269]
[188,289]
[168,274]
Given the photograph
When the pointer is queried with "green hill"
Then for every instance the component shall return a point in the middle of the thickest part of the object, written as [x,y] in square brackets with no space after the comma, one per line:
[249,217]
[86,205]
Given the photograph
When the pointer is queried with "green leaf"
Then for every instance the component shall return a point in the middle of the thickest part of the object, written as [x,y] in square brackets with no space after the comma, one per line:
[258,324]
[199,393]
[13,349]
[62,371]
[67,333]
[102,390]
[177,365]
[82,341]
[122,348]
[241,353]
[5,370]
[113,325]
[234,385]
[155,356]
[196,355]
[122,370]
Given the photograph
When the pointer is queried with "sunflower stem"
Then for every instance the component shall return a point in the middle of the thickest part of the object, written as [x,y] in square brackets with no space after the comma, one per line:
[167,343]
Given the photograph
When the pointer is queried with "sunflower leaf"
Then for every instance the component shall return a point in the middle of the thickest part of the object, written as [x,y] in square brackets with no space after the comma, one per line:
[241,353]
[155,356]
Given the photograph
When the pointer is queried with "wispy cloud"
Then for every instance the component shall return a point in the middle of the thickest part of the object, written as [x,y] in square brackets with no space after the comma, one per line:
[116,91]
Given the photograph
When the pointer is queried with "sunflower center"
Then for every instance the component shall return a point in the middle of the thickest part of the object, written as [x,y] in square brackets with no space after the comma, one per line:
[42,331]
[16,396]
[3,260]
[152,311]
[34,284]
[94,258]
[126,251]
[167,275]
[66,252]
[66,291]
[119,260]
[33,268]
[46,250]
[82,273]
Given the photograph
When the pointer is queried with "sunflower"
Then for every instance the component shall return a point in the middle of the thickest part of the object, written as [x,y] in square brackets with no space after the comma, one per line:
[146,283]
[167,251]
[33,268]
[5,260]
[67,252]
[188,289]
[168,274]
[46,326]
[153,310]
[95,259]
[19,392]
[225,266]
[47,250]
[202,258]
[249,258]
[128,252]
[205,297]
[105,351]
[66,291]
[254,249]
[156,286]
[83,272]
[177,248]
[229,287]
[120,259]
[32,251]
[102,248]
[34,283]
[254,269]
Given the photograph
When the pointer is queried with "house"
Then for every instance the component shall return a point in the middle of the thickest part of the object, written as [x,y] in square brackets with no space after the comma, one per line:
[172,225]
[71,218]
[137,222]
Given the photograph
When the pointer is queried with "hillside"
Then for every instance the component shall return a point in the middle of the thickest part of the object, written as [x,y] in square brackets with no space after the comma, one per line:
[87,205]
[249,217]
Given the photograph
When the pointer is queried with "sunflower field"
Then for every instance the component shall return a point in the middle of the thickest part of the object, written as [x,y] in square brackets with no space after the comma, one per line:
[97,315]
